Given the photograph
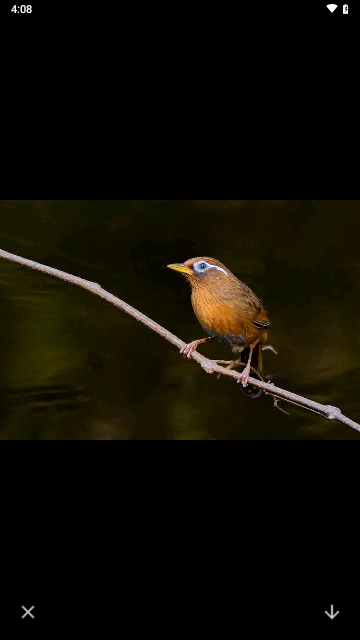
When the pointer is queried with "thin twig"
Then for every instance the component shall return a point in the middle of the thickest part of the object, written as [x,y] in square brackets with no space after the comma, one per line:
[326,411]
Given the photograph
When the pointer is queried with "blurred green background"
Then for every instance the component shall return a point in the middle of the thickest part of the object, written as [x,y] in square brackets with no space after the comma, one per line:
[75,367]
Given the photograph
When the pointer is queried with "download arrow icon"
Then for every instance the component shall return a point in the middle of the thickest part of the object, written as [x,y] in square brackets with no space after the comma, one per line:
[332,615]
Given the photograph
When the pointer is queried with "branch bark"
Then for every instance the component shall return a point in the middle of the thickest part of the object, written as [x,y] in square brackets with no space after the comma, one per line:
[326,411]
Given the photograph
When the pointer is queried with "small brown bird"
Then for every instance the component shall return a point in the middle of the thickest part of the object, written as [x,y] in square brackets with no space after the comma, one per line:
[229,312]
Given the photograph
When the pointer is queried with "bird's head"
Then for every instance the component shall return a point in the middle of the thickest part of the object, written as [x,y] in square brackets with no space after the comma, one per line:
[202,271]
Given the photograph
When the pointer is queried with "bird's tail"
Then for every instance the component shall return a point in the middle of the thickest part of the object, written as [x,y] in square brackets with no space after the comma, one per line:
[256,363]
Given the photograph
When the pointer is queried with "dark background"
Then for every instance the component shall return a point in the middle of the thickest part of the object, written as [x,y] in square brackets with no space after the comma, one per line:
[75,367]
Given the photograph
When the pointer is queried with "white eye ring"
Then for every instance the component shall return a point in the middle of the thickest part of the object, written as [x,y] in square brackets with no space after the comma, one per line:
[198,267]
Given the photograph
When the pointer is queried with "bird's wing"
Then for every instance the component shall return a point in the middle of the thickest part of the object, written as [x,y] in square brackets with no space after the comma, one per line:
[258,314]
[261,321]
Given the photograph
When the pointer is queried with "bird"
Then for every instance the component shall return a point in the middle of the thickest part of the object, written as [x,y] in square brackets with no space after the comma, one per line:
[229,311]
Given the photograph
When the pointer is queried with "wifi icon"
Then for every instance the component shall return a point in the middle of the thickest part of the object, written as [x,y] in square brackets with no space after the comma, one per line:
[332,7]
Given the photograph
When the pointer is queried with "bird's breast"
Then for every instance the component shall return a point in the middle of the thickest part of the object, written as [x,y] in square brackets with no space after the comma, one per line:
[224,320]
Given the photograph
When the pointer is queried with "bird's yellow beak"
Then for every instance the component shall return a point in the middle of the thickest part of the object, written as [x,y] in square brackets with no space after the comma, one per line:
[179,267]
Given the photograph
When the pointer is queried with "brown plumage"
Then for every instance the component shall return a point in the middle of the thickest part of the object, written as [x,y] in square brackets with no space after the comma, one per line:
[228,311]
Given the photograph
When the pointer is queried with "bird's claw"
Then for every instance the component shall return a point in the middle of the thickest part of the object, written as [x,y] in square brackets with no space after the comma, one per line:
[188,349]
[244,377]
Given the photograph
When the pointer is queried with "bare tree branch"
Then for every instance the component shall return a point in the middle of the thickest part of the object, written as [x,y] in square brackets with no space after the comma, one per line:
[210,366]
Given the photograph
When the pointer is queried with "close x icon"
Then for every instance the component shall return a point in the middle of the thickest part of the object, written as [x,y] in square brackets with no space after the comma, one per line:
[28,612]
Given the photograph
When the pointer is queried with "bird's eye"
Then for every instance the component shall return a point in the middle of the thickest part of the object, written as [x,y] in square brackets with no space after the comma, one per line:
[202,265]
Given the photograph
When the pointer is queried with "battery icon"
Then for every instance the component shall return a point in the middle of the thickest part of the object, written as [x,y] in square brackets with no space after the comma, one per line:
[345,8]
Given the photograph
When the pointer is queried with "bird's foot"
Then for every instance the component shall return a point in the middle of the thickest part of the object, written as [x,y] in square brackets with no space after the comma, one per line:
[244,376]
[189,348]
